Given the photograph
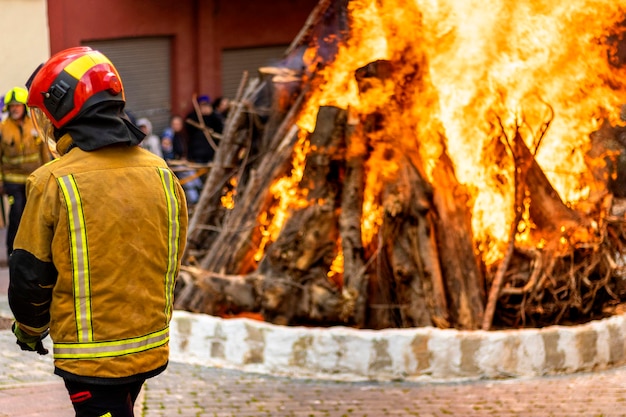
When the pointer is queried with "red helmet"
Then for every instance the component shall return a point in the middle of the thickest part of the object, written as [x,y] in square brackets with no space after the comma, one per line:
[72,80]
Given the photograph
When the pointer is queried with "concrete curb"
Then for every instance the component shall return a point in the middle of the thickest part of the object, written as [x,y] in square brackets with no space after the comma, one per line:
[420,354]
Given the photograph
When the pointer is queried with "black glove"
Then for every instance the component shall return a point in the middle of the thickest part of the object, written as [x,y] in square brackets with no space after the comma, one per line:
[29,342]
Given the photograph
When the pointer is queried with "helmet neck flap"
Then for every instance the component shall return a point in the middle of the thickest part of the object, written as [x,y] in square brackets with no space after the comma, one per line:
[101,125]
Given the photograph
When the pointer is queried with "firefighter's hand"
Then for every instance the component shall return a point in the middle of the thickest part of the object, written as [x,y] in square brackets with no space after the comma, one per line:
[29,342]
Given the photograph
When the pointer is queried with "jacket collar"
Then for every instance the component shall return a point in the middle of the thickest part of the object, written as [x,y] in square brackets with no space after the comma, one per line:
[64,144]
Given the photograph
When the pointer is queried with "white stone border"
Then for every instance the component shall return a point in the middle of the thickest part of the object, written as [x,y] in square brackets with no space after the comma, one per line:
[429,354]
[341,353]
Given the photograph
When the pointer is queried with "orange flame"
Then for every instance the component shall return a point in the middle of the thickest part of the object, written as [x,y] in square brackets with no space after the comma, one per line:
[509,59]
[228,199]
[287,196]
[489,69]
[335,274]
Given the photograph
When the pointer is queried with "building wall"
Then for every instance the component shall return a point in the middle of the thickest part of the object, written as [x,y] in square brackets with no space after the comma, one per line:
[199,30]
[24,43]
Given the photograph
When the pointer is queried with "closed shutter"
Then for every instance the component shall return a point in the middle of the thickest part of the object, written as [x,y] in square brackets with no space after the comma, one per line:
[144,65]
[236,61]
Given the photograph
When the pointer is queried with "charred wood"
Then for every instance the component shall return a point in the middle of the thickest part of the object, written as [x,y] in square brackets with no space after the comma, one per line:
[308,240]
[354,276]
[232,250]
[409,244]
[463,276]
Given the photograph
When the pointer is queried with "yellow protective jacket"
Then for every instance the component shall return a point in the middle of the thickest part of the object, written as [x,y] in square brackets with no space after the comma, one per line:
[96,258]
[21,150]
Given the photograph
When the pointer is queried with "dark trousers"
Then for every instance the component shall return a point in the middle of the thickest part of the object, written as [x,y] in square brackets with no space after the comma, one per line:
[17,201]
[91,400]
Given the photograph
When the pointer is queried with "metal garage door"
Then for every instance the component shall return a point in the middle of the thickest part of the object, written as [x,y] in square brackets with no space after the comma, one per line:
[236,61]
[144,65]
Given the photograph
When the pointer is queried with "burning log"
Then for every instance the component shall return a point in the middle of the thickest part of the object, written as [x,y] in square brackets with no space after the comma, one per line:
[410,247]
[306,246]
[355,278]
[463,277]
[404,281]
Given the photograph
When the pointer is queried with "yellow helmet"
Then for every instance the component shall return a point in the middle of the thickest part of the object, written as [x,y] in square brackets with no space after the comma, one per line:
[16,95]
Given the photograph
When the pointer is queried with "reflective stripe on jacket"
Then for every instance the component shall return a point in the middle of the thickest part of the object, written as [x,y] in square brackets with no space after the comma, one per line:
[113,224]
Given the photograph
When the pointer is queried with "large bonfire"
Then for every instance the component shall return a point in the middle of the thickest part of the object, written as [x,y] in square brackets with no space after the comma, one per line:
[423,162]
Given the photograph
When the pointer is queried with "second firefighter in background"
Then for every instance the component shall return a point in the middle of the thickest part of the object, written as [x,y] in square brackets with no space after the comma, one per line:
[21,152]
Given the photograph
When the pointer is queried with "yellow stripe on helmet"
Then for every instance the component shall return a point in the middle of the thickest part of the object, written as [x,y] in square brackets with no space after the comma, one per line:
[80,66]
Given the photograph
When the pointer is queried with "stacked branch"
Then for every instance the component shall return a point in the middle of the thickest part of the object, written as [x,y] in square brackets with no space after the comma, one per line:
[578,275]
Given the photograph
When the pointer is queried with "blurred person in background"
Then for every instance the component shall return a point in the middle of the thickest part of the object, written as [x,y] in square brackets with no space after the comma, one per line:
[173,144]
[201,148]
[221,106]
[21,152]
[173,141]
[151,142]
[3,114]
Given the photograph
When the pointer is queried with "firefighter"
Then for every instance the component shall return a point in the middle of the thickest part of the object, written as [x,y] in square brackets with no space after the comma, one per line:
[21,152]
[97,260]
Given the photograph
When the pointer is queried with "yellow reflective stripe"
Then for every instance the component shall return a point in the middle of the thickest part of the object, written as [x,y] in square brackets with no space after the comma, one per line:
[16,178]
[79,252]
[79,67]
[107,414]
[20,159]
[109,349]
[173,236]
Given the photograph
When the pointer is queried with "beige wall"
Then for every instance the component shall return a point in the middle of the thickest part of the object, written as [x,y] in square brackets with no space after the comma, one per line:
[24,40]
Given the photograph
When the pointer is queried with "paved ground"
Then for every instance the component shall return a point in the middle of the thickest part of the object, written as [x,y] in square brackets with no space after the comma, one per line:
[29,389]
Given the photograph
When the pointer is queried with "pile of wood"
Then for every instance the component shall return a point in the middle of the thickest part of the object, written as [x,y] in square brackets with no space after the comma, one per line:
[422,269]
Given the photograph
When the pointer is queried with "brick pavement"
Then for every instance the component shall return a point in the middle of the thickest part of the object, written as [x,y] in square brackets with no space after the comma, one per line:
[28,389]
[200,391]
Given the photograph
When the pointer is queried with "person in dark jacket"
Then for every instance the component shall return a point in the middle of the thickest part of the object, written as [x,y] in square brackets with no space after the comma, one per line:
[99,248]
[202,149]
[221,107]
